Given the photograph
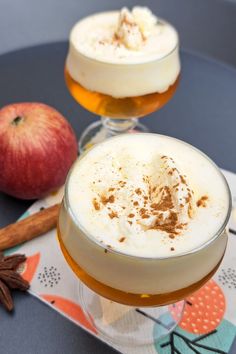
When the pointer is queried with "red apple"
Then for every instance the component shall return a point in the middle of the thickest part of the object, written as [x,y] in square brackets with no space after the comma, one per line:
[37,148]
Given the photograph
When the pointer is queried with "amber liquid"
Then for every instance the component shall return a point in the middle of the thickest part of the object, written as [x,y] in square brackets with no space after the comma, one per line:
[119,108]
[140,300]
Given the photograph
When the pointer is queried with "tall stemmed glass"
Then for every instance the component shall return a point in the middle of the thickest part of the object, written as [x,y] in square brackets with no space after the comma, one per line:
[120,91]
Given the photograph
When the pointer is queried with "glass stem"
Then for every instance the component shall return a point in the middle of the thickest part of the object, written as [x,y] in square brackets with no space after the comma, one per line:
[119,126]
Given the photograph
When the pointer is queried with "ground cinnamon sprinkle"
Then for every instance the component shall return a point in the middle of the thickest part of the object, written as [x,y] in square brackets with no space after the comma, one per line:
[106,200]
[113,215]
[138,191]
[166,201]
[202,202]
[96,204]
[183,179]
[190,211]
[154,206]
[169,225]
[188,198]
[145,216]
[111,199]
[160,217]
[142,211]
[122,183]
[160,207]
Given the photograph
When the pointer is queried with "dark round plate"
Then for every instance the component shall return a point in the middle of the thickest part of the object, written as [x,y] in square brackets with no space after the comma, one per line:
[203,112]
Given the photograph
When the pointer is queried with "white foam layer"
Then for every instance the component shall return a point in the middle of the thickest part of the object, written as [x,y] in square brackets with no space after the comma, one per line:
[137,64]
[132,159]
[94,37]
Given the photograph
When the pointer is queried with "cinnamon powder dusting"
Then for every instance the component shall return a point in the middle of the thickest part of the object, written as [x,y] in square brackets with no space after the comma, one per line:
[96,204]
[166,202]
[183,179]
[106,200]
[169,225]
[202,202]
[113,215]
[138,191]
[122,183]
[122,239]
[142,211]
[158,204]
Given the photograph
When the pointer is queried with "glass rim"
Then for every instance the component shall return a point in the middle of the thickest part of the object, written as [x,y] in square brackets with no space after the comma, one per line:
[115,63]
[92,239]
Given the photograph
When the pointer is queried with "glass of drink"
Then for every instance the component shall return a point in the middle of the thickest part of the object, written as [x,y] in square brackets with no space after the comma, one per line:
[142,225]
[121,66]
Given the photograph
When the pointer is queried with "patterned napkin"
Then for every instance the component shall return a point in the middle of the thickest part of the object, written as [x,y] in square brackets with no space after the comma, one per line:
[209,321]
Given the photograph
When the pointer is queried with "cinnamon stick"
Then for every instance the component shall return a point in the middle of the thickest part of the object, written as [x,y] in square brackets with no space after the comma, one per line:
[29,228]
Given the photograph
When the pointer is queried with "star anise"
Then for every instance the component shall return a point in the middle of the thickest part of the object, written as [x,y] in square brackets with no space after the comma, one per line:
[10,278]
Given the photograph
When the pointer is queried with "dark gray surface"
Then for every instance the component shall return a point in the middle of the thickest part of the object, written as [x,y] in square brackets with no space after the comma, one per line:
[34,328]
[202,112]
[208,26]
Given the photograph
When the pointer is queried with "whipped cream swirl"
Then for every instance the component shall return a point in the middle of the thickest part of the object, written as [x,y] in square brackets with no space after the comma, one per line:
[135,26]
[164,202]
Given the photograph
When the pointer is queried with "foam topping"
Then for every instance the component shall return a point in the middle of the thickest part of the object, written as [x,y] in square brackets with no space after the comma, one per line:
[144,195]
[124,35]
[135,27]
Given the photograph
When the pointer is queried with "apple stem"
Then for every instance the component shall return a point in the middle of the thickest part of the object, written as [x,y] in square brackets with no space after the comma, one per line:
[16,121]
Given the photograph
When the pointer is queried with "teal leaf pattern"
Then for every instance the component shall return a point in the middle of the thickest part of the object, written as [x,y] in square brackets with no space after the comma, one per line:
[217,341]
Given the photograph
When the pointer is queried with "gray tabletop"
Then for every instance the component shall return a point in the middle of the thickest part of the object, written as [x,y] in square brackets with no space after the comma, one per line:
[206,120]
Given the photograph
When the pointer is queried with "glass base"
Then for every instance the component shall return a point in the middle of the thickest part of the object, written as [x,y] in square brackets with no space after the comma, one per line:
[107,128]
[124,325]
